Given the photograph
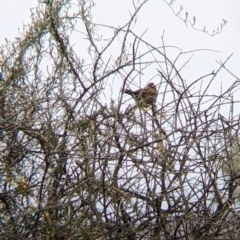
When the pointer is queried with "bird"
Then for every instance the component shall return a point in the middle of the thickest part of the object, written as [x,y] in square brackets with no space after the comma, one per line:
[144,97]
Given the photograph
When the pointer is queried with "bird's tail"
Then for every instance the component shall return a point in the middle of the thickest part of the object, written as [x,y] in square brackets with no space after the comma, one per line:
[128,91]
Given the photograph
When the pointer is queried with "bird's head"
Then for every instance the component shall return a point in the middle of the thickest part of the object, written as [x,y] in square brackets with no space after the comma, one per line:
[152,85]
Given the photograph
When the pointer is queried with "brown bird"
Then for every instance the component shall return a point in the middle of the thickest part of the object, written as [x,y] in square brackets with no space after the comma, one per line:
[144,97]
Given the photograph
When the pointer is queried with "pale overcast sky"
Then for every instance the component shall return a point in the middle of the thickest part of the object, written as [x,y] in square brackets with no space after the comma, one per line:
[156,16]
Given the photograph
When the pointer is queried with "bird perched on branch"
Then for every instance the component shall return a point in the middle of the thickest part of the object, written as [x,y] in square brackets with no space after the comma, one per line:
[144,97]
